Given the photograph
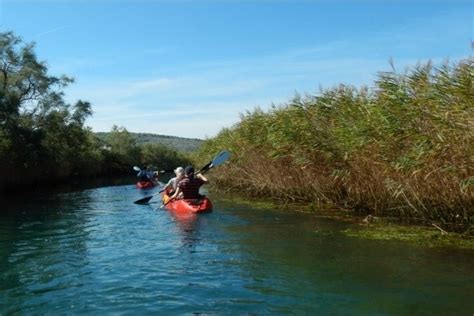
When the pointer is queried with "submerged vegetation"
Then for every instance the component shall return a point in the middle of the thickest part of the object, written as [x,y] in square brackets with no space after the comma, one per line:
[423,236]
[44,139]
[403,148]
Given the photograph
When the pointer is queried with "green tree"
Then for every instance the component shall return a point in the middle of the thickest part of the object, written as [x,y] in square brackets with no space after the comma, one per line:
[41,136]
[24,81]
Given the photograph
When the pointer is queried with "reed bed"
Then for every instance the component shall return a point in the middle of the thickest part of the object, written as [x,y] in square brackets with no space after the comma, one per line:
[403,148]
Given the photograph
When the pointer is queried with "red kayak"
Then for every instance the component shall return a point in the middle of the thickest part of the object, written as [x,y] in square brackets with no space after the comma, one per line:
[200,205]
[145,184]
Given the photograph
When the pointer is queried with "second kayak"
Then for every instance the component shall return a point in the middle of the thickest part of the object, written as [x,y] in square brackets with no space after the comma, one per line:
[145,184]
[200,205]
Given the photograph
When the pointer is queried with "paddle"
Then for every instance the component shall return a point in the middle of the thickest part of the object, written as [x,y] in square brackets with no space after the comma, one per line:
[136,168]
[147,199]
[217,161]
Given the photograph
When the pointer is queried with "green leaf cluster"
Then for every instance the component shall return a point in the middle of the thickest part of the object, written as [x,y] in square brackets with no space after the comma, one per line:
[43,138]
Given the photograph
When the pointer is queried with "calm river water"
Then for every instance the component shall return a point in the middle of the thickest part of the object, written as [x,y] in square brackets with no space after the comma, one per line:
[94,251]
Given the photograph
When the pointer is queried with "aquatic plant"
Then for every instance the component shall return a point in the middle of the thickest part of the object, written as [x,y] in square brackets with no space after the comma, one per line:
[404,147]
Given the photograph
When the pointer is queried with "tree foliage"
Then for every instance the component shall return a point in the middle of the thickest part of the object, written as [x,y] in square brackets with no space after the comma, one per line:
[42,137]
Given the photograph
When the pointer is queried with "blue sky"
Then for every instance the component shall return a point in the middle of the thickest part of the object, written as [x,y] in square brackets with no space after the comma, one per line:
[188,68]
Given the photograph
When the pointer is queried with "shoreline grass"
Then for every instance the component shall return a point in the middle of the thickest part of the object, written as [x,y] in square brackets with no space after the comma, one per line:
[403,148]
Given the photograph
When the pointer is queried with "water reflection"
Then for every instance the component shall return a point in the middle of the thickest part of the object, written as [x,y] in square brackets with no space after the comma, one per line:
[42,246]
[188,227]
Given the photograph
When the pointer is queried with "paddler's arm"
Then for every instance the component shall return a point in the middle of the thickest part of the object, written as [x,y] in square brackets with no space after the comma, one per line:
[168,185]
[203,178]
[178,190]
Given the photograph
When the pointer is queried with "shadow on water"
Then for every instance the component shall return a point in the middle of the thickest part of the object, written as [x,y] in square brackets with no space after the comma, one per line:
[74,185]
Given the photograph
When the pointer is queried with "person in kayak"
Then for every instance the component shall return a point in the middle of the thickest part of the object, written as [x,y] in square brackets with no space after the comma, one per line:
[172,185]
[147,175]
[190,185]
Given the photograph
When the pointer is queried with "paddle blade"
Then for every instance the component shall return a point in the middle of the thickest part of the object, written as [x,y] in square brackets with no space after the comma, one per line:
[144,200]
[222,157]
[136,168]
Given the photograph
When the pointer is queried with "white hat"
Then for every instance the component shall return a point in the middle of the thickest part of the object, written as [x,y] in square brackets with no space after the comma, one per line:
[179,170]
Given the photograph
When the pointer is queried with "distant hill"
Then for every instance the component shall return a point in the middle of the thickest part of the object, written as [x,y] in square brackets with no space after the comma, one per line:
[178,143]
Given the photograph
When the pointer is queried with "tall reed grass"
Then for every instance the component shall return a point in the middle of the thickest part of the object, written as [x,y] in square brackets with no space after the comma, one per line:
[403,148]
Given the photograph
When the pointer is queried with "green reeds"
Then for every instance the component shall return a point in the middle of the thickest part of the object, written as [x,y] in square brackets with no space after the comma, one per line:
[404,147]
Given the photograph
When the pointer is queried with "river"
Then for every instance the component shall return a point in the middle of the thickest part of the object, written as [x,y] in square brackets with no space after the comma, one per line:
[93,251]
